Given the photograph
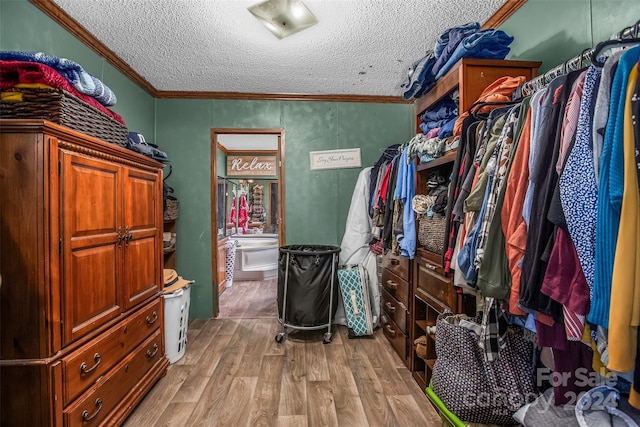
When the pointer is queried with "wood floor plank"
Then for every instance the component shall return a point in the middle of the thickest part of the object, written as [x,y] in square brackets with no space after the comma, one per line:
[391,382]
[374,401]
[198,345]
[321,410]
[405,411]
[316,361]
[266,398]
[237,406]
[293,391]
[192,388]
[210,405]
[291,421]
[419,397]
[349,409]
[175,414]
[260,340]
[160,396]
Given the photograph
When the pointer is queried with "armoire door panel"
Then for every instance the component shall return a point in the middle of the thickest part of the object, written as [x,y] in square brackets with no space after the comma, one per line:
[90,202]
[141,200]
[91,197]
[93,298]
[141,268]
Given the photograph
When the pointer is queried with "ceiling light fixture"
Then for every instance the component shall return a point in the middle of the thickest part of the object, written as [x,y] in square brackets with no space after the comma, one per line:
[283,17]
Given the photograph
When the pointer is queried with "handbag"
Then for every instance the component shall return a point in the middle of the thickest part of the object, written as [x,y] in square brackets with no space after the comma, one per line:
[474,389]
[431,232]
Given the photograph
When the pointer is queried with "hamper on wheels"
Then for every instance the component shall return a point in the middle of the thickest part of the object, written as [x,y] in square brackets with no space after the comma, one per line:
[307,288]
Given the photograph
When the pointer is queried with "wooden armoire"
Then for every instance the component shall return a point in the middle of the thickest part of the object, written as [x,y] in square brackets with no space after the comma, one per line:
[81,336]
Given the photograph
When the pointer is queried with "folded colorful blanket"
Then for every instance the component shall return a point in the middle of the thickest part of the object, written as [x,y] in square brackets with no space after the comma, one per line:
[14,72]
[70,70]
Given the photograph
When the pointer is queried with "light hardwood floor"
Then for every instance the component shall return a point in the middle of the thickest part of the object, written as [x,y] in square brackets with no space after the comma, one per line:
[234,374]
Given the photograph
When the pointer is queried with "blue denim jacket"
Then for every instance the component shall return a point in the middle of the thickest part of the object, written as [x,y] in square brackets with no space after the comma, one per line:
[453,37]
[421,79]
[489,44]
[443,40]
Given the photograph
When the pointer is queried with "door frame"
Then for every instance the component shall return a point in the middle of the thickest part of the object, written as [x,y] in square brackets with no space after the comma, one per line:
[214,193]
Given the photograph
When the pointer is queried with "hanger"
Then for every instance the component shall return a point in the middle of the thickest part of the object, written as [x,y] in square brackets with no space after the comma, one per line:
[619,41]
[476,106]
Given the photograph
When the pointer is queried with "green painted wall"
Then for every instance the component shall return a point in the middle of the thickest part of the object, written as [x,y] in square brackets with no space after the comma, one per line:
[316,201]
[554,31]
[24,27]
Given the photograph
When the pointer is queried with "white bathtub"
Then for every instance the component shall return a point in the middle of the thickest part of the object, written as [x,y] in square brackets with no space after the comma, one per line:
[256,257]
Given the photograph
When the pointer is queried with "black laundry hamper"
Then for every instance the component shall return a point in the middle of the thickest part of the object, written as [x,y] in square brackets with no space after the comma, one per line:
[307,288]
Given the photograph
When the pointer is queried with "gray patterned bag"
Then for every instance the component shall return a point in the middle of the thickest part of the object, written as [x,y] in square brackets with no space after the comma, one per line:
[474,389]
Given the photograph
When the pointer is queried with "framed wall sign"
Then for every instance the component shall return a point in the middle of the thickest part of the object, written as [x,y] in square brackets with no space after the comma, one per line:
[335,159]
[250,165]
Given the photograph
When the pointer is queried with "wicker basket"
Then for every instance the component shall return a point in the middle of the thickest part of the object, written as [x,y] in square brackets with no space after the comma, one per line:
[63,108]
[171,213]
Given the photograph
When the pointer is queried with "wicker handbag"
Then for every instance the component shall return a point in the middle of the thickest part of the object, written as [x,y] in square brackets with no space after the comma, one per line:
[431,232]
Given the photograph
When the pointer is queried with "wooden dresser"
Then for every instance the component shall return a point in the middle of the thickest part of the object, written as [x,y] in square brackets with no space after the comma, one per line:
[396,296]
[81,336]
[433,290]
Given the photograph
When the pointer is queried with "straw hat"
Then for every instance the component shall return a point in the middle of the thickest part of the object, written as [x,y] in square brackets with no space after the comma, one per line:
[173,282]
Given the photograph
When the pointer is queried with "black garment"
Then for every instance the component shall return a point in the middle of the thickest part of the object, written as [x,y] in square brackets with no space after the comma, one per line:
[541,232]
[556,214]
[389,153]
[466,145]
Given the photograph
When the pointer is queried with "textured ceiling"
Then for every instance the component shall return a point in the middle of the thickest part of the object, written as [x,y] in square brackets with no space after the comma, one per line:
[361,47]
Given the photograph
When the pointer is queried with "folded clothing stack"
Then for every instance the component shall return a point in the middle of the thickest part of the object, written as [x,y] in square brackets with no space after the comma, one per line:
[72,71]
[35,75]
[465,41]
[438,120]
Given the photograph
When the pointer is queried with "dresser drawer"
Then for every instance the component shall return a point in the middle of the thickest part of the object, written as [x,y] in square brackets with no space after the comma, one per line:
[84,366]
[95,405]
[398,264]
[396,311]
[397,287]
[435,284]
[395,336]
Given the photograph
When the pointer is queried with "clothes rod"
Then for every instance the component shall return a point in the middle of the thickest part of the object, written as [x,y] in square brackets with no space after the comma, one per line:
[574,63]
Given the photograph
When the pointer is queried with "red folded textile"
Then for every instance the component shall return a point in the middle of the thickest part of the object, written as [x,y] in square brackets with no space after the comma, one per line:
[15,72]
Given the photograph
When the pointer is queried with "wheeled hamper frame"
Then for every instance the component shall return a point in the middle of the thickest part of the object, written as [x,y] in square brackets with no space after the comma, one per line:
[308,262]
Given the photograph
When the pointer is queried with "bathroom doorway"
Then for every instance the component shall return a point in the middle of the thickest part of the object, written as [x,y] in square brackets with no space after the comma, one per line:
[247,220]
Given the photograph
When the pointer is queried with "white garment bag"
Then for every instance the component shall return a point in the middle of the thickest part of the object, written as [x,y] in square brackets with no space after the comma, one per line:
[355,245]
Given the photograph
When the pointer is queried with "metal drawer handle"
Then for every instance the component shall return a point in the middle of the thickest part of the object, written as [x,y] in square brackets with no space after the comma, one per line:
[85,413]
[151,353]
[152,320]
[391,309]
[431,267]
[83,367]
[390,331]
[395,262]
[392,285]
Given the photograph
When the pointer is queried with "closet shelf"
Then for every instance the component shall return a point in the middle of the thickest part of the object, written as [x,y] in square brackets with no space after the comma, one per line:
[448,157]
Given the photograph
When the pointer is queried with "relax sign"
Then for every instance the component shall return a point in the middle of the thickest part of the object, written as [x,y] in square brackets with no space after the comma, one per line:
[251,165]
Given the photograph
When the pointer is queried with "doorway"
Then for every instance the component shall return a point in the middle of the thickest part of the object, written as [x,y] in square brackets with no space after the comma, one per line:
[247,205]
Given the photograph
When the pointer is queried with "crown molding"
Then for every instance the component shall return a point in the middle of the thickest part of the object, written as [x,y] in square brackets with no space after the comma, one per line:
[78,31]
[281,97]
[68,23]
[506,10]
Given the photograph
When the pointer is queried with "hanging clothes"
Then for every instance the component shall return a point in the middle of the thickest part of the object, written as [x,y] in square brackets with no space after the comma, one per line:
[610,192]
